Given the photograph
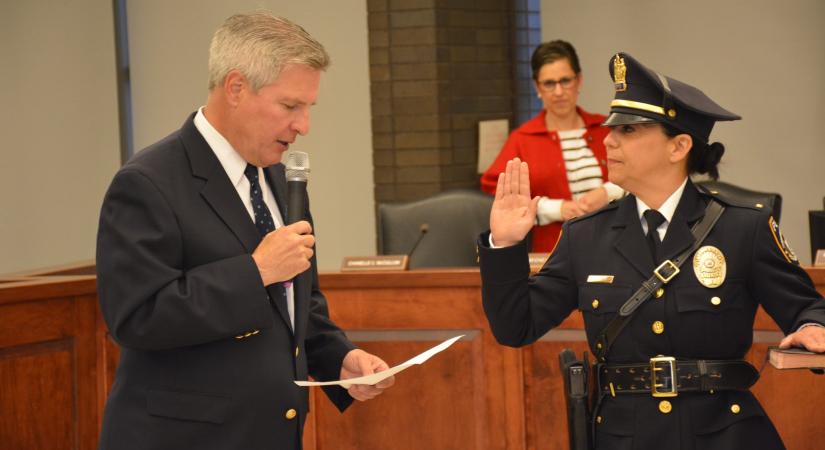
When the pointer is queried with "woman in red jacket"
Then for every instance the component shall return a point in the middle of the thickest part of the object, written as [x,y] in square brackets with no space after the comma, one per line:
[562,144]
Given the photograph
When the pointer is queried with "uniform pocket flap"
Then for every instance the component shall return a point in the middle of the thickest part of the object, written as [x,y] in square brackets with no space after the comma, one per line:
[602,298]
[719,411]
[192,406]
[699,298]
[617,419]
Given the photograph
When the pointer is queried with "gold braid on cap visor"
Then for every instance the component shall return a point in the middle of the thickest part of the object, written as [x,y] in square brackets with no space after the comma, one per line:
[638,105]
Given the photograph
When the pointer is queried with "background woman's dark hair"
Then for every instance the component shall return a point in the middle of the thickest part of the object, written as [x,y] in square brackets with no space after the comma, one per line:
[553,51]
[703,158]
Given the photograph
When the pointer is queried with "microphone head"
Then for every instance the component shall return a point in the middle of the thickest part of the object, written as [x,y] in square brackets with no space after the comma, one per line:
[297,166]
[424,228]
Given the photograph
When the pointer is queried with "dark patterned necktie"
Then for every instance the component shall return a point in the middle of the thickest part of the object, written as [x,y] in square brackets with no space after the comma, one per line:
[263,218]
[654,220]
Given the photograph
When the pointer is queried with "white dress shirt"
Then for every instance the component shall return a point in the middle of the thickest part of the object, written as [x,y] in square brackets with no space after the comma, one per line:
[234,166]
[667,209]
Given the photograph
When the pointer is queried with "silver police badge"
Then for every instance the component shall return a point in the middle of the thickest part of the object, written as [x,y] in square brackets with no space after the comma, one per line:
[709,266]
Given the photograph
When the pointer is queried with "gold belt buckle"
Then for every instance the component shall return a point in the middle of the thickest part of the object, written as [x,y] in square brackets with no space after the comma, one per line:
[667,263]
[654,385]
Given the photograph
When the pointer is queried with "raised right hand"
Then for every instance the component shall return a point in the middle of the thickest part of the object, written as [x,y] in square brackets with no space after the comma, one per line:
[514,212]
[285,252]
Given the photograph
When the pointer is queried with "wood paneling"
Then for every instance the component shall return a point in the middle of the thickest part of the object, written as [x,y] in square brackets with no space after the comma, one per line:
[57,364]
[466,397]
[37,386]
[524,392]
[48,364]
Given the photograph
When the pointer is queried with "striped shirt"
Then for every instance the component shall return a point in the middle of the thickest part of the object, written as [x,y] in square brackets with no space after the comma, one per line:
[583,171]
[583,175]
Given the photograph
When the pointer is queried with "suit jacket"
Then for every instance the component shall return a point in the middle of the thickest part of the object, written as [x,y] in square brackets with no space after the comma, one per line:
[208,356]
[521,309]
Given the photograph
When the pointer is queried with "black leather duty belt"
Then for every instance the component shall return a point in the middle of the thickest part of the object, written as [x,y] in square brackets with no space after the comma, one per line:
[665,376]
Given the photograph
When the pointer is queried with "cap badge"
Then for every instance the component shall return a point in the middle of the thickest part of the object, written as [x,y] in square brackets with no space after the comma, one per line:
[709,266]
[619,74]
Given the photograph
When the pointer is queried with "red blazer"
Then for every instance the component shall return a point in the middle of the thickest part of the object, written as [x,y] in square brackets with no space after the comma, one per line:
[541,149]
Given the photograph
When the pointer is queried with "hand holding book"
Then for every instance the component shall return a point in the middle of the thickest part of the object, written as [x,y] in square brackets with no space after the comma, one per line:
[795,358]
[803,349]
[809,336]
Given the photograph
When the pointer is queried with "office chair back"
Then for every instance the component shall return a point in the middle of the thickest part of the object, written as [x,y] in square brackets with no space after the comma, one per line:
[453,219]
[816,224]
[768,199]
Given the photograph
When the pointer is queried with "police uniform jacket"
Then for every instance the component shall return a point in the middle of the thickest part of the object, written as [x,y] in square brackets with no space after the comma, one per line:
[693,325]
[208,355]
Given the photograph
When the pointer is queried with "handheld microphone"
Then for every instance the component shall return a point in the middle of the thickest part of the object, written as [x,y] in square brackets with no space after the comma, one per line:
[423,229]
[297,174]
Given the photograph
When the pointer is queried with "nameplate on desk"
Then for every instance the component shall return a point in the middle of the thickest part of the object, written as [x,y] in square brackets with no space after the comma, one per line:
[819,261]
[378,262]
[537,260]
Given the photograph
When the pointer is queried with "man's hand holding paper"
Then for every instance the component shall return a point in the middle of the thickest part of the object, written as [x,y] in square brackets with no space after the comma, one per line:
[365,376]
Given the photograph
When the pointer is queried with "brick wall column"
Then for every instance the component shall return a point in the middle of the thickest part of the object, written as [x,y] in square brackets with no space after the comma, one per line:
[437,67]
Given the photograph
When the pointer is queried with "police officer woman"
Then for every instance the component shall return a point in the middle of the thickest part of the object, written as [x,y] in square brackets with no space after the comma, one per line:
[668,278]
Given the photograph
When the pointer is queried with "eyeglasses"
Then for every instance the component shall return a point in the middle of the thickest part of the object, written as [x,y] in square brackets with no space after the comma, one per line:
[550,85]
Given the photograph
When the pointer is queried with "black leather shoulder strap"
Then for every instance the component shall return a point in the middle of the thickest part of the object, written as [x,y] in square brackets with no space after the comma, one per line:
[661,276]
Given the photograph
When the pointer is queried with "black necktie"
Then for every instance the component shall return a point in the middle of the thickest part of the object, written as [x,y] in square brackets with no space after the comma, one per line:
[265,225]
[263,218]
[654,219]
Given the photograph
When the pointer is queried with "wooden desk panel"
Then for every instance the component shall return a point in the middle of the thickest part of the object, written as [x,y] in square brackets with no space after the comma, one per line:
[49,396]
[450,300]
[466,397]
[57,364]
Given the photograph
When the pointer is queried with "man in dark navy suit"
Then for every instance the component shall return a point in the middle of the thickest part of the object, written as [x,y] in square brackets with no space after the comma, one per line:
[673,377]
[212,298]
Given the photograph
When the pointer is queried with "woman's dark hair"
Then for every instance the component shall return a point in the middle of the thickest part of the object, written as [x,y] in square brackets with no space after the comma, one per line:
[703,158]
[553,51]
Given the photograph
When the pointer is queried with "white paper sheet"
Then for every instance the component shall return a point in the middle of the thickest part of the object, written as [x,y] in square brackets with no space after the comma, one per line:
[492,134]
[377,377]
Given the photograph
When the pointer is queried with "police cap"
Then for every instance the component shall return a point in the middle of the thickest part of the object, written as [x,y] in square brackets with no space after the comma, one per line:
[644,95]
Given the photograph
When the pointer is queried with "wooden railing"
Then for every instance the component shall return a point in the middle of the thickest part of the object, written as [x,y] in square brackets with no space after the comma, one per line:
[57,364]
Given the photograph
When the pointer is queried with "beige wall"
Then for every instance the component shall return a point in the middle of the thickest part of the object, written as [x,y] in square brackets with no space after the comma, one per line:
[58,128]
[58,108]
[762,59]
[169,44]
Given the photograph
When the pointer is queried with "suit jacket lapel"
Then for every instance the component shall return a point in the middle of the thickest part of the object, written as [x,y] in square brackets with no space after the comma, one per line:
[277,183]
[222,197]
[631,242]
[277,293]
[218,190]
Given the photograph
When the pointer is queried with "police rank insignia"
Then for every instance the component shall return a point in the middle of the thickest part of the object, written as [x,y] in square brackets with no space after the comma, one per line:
[782,243]
[619,74]
[709,266]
